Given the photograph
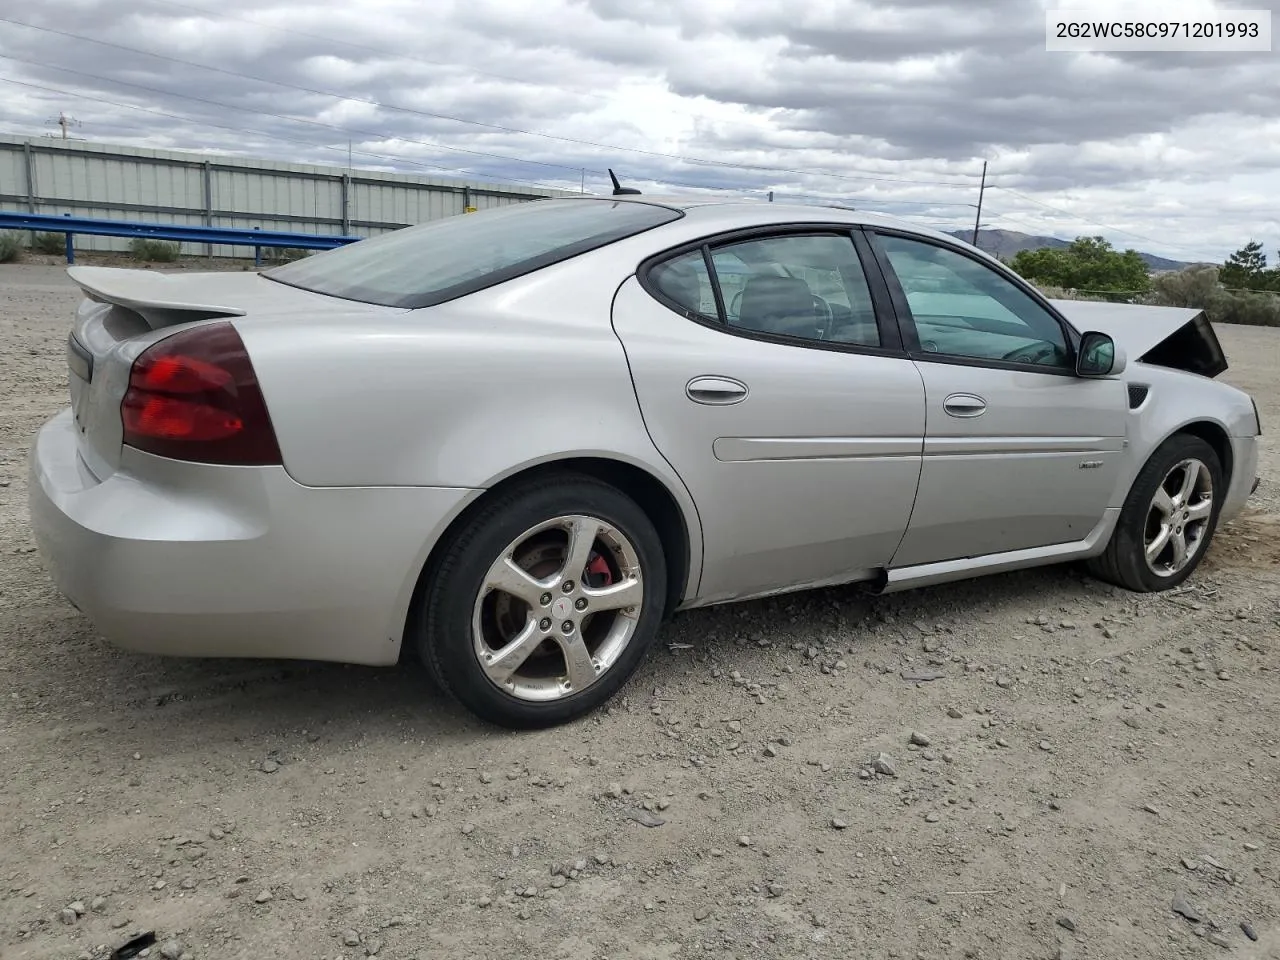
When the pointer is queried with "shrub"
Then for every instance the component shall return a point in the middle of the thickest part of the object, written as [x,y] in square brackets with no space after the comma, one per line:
[154,251]
[10,247]
[284,254]
[49,243]
[1199,288]
[1059,293]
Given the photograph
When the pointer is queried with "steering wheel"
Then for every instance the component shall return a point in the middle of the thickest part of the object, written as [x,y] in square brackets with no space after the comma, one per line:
[1042,351]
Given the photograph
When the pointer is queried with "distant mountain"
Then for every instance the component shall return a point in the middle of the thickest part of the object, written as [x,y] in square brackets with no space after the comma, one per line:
[1005,243]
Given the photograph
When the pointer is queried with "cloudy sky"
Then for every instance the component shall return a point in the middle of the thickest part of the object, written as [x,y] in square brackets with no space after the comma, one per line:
[891,105]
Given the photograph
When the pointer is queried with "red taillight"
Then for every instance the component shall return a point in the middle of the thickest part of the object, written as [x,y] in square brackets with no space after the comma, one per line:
[195,396]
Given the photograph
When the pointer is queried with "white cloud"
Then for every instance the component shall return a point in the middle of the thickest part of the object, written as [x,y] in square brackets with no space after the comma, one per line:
[888,105]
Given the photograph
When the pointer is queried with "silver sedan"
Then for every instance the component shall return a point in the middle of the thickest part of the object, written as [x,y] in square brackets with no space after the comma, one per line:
[513,442]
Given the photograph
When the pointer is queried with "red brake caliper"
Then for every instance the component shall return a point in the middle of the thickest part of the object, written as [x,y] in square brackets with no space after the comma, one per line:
[597,573]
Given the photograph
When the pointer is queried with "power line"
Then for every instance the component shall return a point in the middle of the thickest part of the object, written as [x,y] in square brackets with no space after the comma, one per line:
[885,200]
[368,48]
[380,51]
[280,116]
[477,123]
[269,136]
[1095,223]
[316,123]
[346,130]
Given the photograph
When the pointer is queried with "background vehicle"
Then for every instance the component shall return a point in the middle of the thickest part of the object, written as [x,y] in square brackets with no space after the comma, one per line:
[515,441]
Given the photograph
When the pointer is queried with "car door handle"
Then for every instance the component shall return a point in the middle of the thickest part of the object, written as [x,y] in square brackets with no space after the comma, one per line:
[964,405]
[716,390]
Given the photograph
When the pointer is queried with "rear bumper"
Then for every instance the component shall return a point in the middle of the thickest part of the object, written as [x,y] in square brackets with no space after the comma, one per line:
[196,560]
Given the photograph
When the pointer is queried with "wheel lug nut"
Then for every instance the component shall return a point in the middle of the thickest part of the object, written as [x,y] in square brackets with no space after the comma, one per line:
[567,586]
[545,599]
[582,603]
[545,623]
[567,626]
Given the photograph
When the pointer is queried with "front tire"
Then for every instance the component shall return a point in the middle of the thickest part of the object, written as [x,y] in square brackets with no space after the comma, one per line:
[544,602]
[1168,518]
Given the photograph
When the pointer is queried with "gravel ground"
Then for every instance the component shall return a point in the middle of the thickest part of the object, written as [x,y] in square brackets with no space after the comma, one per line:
[1087,764]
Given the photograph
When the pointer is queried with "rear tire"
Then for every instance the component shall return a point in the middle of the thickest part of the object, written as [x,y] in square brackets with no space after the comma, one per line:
[1168,518]
[546,640]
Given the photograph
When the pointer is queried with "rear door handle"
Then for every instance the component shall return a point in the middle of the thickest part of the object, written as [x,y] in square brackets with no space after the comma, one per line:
[964,405]
[718,391]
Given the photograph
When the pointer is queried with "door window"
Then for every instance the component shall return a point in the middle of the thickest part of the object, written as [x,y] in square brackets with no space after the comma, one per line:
[963,308]
[685,282]
[806,287]
[810,287]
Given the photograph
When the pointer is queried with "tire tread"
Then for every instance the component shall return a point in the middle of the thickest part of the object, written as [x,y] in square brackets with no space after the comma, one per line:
[430,632]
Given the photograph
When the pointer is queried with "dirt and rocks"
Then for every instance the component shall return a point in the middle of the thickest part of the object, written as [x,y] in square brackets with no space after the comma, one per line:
[1091,774]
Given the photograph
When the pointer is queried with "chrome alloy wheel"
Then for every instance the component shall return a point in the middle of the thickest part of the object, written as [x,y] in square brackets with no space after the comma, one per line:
[1178,517]
[557,608]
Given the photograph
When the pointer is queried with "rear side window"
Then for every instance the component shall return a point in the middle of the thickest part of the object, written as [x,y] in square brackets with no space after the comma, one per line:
[685,282]
[804,287]
[444,259]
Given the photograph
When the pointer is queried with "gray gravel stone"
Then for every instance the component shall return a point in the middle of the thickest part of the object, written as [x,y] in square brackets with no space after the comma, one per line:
[883,764]
[171,950]
[350,938]
[1247,929]
[919,739]
[1185,908]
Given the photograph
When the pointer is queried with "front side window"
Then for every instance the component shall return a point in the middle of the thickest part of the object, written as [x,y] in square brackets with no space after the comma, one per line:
[442,259]
[963,308]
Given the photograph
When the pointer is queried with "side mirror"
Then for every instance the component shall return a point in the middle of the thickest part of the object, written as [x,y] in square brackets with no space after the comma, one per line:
[1099,356]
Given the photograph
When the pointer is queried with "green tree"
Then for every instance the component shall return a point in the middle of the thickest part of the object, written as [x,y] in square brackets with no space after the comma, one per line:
[1087,263]
[1246,269]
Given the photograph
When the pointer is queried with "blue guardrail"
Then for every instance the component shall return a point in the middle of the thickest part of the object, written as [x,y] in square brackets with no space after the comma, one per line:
[69,225]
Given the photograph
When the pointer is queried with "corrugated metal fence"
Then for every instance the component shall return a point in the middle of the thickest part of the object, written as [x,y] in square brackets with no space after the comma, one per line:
[53,176]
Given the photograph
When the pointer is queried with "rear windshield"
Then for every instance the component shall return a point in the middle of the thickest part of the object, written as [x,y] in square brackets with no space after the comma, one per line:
[443,259]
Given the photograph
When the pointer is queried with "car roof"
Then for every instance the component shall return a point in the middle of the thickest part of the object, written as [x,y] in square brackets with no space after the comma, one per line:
[764,213]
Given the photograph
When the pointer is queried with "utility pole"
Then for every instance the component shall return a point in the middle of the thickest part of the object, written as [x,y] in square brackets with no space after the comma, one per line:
[981,190]
[64,122]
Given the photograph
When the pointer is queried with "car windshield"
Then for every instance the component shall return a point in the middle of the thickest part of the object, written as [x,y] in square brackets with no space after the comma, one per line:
[444,259]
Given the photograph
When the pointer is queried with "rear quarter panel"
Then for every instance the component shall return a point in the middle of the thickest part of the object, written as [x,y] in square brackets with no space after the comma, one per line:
[464,394]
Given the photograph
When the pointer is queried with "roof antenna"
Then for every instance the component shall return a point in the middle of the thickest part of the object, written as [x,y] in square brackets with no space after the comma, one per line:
[619,190]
